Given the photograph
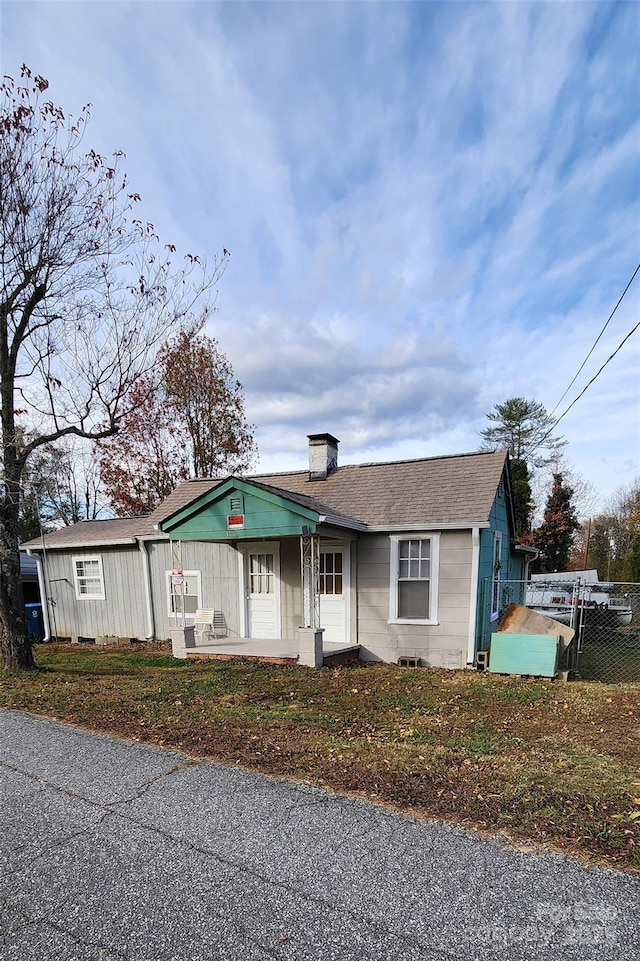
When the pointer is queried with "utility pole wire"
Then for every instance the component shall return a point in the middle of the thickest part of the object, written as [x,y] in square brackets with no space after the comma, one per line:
[595,344]
[583,391]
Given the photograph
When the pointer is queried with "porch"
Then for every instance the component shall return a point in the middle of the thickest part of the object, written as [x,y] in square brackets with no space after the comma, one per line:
[287,596]
[266,650]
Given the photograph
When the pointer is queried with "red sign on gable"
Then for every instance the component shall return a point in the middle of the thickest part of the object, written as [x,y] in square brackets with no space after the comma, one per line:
[235,521]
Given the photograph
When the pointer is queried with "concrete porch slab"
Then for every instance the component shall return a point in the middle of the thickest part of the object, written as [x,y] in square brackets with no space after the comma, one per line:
[271,650]
[279,649]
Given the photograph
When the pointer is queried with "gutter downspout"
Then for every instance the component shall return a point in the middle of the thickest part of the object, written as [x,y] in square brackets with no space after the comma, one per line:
[475,586]
[146,578]
[43,597]
[528,561]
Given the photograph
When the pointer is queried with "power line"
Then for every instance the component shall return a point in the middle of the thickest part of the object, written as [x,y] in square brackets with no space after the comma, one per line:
[594,346]
[595,376]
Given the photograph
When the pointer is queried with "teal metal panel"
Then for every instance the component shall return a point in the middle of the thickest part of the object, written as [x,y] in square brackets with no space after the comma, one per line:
[535,654]
[264,514]
[222,494]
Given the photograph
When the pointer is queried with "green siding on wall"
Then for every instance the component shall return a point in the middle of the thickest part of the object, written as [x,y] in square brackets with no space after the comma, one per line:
[512,563]
[266,516]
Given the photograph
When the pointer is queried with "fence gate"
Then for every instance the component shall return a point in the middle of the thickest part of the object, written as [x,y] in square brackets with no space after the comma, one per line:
[606,618]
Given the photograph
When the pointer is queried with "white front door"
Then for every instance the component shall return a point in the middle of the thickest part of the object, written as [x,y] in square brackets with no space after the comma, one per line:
[262,590]
[334,594]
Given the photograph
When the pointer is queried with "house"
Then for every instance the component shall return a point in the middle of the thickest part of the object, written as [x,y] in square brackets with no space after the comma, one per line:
[388,559]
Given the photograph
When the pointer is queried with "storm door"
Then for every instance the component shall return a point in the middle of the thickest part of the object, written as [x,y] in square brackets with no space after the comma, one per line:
[334,594]
[262,591]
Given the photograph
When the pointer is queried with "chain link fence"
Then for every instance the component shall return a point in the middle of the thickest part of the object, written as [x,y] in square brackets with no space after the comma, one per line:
[605,617]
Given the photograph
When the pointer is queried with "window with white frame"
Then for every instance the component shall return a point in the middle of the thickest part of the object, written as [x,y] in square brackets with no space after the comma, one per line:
[88,577]
[184,595]
[261,574]
[413,594]
[495,574]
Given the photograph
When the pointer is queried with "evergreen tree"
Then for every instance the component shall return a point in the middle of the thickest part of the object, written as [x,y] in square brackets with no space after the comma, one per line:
[525,429]
[523,504]
[554,537]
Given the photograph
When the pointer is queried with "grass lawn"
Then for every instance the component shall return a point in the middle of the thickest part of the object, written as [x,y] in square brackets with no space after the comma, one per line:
[535,761]
[611,656]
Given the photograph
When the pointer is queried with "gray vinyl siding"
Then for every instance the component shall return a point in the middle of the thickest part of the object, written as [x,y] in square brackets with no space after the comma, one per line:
[123,610]
[440,645]
[218,567]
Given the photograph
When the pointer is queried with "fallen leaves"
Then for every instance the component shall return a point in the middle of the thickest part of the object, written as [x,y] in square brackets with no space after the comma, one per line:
[484,751]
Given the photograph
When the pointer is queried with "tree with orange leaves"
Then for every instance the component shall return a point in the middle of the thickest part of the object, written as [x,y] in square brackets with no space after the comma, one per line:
[186,421]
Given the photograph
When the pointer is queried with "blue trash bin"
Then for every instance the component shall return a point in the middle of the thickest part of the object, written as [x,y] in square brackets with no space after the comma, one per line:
[35,622]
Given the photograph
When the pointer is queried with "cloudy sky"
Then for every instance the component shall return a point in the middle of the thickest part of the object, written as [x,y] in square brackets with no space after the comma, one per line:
[430,207]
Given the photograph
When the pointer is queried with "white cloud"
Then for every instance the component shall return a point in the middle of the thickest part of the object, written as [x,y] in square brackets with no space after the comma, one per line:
[430,207]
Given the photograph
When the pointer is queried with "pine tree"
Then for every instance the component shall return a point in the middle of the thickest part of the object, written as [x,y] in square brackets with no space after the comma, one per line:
[525,429]
[522,501]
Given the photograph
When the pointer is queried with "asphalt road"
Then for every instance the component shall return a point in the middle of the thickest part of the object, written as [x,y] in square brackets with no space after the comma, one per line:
[113,850]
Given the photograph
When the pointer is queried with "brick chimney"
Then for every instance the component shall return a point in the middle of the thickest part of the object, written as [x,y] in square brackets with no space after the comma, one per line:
[323,455]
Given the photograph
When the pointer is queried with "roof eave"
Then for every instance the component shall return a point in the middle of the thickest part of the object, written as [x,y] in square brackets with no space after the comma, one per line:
[347,523]
[451,526]
[78,545]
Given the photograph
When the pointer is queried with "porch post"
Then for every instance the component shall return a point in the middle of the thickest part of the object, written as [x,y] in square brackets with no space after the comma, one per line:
[182,634]
[310,634]
[310,554]
[176,565]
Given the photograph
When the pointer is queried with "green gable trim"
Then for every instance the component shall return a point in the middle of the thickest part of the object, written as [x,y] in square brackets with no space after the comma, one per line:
[265,515]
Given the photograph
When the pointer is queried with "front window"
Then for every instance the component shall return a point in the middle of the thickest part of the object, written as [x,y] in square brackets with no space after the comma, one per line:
[414,568]
[184,593]
[89,579]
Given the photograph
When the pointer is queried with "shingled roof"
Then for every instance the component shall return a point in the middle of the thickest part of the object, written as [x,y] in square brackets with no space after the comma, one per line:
[450,490]
[453,490]
[119,530]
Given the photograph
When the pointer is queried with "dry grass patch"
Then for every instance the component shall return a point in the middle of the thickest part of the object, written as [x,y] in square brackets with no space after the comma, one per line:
[537,761]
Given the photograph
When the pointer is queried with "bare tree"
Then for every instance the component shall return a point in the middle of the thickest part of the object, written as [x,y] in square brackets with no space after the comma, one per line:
[87,293]
[67,481]
[59,486]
